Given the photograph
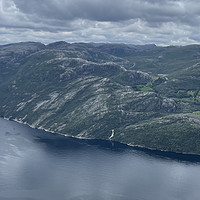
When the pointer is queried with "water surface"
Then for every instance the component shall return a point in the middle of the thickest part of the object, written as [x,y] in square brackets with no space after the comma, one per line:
[36,165]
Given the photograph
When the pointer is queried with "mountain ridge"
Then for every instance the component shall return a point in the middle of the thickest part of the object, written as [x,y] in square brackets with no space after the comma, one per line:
[86,91]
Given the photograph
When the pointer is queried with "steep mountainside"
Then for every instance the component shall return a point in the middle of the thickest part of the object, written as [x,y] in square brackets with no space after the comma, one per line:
[140,95]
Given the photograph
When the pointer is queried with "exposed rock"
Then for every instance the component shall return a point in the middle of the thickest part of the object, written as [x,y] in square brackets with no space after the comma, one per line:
[90,91]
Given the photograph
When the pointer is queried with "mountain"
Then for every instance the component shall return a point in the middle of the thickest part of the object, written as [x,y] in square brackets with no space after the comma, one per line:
[140,95]
[11,56]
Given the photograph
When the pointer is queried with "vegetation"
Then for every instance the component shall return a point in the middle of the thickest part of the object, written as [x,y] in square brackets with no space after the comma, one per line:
[149,95]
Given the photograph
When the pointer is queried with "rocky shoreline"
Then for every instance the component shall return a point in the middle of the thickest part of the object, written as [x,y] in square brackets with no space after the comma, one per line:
[138,147]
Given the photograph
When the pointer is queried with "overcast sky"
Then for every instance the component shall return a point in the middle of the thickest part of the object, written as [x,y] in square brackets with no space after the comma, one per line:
[162,22]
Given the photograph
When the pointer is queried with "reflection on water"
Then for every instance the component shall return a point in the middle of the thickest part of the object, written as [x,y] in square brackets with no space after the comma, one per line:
[35,165]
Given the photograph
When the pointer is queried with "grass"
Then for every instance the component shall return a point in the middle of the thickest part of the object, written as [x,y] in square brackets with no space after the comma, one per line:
[196,113]
[184,99]
[146,89]
[191,93]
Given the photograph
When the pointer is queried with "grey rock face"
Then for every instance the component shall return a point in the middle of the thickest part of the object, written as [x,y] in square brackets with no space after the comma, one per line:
[91,91]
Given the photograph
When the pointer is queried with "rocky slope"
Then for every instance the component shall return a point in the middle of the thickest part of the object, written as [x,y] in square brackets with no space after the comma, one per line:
[100,91]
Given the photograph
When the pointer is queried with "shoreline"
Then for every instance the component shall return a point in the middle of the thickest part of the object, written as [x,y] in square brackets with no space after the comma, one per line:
[137,147]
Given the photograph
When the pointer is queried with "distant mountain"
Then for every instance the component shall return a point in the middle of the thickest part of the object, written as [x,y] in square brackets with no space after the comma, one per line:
[140,95]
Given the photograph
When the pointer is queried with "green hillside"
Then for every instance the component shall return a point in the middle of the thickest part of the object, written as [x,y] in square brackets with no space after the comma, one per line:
[145,95]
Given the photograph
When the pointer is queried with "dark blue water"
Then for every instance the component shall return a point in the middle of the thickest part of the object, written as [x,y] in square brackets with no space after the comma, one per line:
[36,165]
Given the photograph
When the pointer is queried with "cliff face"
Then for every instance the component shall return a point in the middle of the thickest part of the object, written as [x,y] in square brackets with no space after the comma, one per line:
[87,90]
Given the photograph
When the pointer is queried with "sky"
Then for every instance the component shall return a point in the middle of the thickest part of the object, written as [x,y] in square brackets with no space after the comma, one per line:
[160,22]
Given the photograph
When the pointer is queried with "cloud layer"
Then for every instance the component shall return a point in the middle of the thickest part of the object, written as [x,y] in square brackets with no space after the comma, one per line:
[163,22]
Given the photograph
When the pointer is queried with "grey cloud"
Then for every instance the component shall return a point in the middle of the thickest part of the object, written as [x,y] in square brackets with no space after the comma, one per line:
[99,10]
[59,13]
[136,33]
[110,10]
[130,21]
